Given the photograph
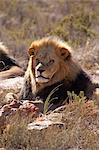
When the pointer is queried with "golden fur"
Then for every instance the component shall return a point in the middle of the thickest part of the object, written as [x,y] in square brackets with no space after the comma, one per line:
[60,52]
[56,63]
[8,66]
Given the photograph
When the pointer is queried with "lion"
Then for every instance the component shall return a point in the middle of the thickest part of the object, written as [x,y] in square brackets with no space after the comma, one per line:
[9,68]
[51,65]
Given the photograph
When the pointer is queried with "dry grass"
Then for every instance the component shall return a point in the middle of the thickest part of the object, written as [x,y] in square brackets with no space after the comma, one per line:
[21,22]
[80,131]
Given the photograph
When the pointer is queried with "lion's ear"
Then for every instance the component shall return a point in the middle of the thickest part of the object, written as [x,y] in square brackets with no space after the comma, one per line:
[31,51]
[64,53]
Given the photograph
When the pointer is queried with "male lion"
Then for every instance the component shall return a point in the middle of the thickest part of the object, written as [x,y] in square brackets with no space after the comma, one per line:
[8,66]
[51,65]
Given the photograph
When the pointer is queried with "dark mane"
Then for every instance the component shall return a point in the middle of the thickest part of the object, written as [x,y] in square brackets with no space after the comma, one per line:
[7,61]
[81,83]
[9,68]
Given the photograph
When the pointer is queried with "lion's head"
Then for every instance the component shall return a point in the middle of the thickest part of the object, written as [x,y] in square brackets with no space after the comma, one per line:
[52,61]
[51,64]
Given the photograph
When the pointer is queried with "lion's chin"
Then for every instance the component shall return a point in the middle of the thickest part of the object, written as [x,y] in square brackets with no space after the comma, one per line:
[42,79]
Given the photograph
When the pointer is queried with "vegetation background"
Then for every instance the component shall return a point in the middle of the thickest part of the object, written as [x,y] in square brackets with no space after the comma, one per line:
[77,22]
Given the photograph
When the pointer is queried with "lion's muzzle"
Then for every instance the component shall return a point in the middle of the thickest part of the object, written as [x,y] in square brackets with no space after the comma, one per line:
[40,78]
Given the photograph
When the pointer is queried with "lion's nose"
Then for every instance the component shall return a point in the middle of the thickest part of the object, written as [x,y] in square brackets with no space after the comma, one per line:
[40,69]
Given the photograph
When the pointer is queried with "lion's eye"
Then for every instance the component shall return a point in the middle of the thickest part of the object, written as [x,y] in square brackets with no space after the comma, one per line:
[50,62]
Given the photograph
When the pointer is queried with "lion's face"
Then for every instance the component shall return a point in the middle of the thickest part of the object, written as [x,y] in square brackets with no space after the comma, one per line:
[51,62]
[46,64]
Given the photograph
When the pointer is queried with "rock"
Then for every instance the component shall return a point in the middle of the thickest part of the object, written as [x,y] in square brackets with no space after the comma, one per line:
[12,83]
[28,108]
[45,121]
[24,109]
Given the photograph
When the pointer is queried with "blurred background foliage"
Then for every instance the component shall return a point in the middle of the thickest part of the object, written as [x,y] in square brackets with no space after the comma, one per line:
[22,21]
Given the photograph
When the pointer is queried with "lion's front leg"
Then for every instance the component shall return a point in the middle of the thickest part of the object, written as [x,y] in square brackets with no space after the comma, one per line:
[26,91]
[29,86]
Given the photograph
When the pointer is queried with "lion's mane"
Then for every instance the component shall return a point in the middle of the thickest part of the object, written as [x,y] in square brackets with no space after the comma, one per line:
[58,68]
